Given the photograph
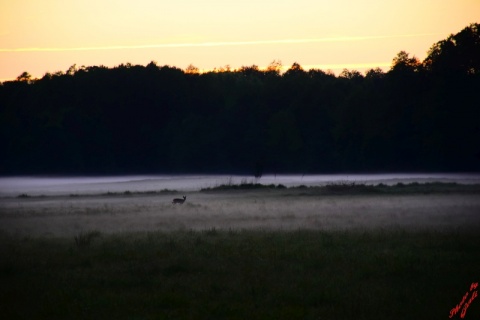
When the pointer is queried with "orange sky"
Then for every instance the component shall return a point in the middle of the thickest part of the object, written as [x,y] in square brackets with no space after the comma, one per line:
[40,36]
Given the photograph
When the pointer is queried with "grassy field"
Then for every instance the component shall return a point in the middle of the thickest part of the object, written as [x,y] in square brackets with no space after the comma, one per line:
[249,274]
[342,251]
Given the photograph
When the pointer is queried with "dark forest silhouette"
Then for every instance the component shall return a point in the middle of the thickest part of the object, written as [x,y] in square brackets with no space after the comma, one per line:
[418,116]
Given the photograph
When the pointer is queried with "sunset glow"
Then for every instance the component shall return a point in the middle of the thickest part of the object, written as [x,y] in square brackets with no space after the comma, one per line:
[51,35]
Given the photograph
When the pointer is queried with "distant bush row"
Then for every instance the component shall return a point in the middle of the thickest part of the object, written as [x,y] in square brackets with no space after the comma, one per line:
[359,188]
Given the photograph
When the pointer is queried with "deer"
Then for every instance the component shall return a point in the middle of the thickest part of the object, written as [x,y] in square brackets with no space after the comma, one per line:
[179,201]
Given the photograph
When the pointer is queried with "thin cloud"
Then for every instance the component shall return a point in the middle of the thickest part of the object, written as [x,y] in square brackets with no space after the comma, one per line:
[218,44]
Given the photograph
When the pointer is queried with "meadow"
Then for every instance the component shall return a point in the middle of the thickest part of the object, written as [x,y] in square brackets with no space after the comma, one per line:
[264,253]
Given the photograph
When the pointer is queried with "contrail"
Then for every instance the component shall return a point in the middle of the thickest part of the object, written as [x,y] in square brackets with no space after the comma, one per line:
[219,44]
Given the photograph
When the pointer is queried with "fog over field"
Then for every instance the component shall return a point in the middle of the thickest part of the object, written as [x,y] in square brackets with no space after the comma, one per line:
[47,186]
[59,206]
[261,209]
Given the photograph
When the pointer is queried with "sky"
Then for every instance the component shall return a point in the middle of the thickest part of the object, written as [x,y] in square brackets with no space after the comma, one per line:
[40,36]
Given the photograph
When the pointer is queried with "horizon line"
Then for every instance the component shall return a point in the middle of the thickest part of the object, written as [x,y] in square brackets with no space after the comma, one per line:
[323,67]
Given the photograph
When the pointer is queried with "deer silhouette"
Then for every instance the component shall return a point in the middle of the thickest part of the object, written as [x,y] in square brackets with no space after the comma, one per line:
[179,200]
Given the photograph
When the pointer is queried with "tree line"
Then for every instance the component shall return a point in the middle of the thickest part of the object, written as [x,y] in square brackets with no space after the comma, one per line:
[418,116]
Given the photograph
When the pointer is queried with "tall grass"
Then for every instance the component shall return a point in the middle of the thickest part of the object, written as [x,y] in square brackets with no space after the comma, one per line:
[230,274]
[84,239]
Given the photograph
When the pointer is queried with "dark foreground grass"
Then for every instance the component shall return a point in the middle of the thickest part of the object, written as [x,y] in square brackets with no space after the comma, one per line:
[217,274]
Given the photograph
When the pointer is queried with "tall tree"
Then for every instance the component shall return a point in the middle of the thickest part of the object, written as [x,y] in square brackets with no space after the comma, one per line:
[458,53]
